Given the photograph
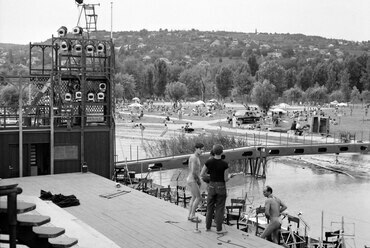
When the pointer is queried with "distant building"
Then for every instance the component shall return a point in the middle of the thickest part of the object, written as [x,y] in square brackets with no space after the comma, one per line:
[215,43]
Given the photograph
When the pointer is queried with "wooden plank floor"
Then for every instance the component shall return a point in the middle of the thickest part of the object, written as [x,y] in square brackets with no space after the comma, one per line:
[134,219]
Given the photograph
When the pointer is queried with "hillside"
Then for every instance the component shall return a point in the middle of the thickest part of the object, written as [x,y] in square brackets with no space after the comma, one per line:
[301,68]
[196,45]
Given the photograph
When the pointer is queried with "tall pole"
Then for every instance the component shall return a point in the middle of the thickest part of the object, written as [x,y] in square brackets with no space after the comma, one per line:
[111,20]
[20,125]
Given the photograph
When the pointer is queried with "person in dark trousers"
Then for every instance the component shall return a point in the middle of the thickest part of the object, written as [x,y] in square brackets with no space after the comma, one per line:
[218,171]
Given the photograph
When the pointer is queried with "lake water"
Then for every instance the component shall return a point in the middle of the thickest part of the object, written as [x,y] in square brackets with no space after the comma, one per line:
[305,189]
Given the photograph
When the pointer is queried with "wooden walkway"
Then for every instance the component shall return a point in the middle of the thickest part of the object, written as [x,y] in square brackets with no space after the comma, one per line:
[133,219]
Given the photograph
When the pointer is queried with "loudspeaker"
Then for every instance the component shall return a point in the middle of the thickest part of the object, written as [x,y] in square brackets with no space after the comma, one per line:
[62,31]
[65,46]
[90,49]
[78,96]
[77,30]
[68,97]
[102,87]
[90,97]
[77,47]
[100,48]
[100,96]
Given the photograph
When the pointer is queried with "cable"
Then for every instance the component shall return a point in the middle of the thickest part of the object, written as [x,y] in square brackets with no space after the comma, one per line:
[229,242]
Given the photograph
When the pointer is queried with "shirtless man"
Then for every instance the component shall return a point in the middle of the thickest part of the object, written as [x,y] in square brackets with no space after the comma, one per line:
[193,181]
[273,208]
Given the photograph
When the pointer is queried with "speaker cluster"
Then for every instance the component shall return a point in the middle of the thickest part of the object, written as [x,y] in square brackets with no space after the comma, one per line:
[90,47]
[62,31]
[90,97]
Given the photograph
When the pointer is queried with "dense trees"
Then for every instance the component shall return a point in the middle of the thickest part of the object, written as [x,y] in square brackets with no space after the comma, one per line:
[166,64]
[224,82]
[264,94]
[176,91]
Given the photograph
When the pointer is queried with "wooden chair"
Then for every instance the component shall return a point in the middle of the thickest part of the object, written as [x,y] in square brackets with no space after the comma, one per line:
[261,221]
[290,237]
[233,214]
[181,195]
[332,239]
[152,192]
[202,209]
[165,193]
[144,183]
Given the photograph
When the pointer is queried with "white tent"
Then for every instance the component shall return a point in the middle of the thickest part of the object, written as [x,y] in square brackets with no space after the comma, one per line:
[135,105]
[342,104]
[278,110]
[200,102]
[283,105]
[136,99]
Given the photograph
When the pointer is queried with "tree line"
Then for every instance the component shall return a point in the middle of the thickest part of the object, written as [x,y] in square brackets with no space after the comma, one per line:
[256,79]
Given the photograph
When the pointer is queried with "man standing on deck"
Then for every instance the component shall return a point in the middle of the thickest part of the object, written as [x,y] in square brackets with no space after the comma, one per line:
[193,181]
[218,171]
[273,208]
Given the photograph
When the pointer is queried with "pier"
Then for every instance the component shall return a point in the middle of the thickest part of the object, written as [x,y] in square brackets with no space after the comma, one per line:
[133,219]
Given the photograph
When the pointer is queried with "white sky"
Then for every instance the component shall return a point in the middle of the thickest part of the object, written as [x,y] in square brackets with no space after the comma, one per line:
[24,21]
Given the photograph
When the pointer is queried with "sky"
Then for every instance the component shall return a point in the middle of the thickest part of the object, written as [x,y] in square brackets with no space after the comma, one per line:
[24,21]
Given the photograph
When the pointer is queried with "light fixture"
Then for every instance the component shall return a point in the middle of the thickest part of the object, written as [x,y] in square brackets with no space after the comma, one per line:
[90,97]
[77,30]
[100,48]
[78,96]
[90,49]
[68,97]
[100,96]
[102,87]
[62,31]
[77,47]
[65,46]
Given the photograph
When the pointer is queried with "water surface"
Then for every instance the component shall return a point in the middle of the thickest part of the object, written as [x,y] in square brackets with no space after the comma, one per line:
[305,189]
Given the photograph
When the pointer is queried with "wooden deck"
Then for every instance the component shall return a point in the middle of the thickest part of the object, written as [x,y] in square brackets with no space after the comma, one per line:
[134,219]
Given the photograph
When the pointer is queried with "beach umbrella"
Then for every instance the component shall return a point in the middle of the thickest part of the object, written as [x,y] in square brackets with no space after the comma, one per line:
[135,105]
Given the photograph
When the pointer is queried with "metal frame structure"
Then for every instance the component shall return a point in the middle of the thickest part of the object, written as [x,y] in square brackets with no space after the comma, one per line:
[255,158]
[74,94]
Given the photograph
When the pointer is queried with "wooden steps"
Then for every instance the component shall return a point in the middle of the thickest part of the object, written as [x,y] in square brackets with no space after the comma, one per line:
[32,220]
[22,207]
[48,232]
[28,230]
[63,242]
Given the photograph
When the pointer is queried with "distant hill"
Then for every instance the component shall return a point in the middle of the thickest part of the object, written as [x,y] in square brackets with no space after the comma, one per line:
[176,44]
